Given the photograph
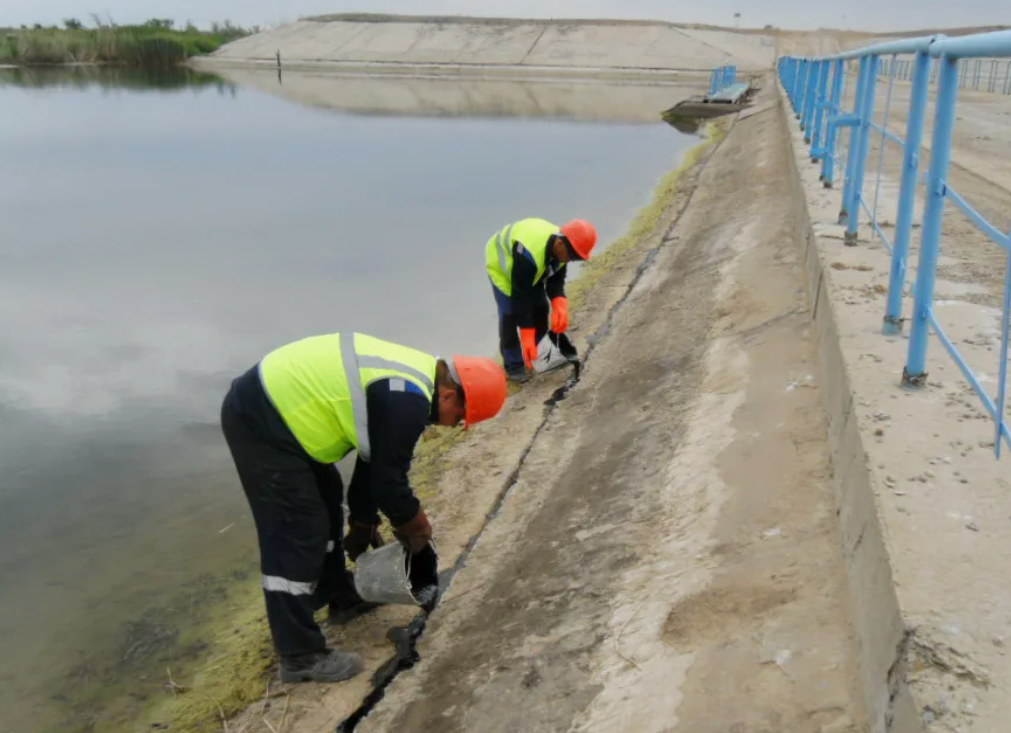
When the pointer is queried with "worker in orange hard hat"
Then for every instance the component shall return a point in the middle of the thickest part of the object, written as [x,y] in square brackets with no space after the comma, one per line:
[526,264]
[288,420]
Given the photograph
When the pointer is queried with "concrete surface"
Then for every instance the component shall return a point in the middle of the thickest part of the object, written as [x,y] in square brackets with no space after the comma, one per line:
[669,558]
[924,503]
[455,96]
[484,45]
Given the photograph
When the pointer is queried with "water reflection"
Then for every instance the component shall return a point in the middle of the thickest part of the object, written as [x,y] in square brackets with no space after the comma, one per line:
[160,235]
[163,80]
[467,96]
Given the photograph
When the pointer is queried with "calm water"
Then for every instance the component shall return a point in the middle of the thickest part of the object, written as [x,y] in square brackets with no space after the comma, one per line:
[155,240]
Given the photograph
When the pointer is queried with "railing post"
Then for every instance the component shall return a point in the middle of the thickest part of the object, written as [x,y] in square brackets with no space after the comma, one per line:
[799,89]
[907,192]
[854,148]
[797,86]
[863,141]
[1005,337]
[914,374]
[810,99]
[788,79]
[821,93]
[828,162]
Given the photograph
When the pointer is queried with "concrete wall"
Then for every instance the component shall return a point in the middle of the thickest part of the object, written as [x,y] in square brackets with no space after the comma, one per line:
[874,606]
[559,45]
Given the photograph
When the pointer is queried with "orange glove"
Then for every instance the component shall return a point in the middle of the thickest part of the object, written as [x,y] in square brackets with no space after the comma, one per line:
[528,340]
[560,315]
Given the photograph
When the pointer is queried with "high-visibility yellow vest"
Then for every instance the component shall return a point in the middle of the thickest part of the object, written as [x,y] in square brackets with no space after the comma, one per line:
[533,234]
[318,386]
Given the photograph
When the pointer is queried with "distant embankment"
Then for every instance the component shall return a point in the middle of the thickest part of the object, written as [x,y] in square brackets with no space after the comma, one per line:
[377,44]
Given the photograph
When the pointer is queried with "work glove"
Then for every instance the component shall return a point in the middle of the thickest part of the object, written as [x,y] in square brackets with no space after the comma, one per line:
[528,340]
[560,315]
[360,537]
[415,534]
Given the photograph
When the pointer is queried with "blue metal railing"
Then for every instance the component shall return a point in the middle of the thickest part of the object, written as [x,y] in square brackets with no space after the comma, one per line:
[815,88]
[721,78]
[990,75]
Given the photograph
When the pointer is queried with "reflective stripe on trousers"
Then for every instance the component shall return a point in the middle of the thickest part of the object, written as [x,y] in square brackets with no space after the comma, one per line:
[283,585]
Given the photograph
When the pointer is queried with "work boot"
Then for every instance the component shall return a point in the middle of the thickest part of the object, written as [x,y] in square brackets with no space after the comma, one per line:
[326,666]
[518,375]
[347,605]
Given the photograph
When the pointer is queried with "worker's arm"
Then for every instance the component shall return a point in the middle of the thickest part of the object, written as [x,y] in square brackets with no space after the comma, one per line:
[527,292]
[398,415]
[556,283]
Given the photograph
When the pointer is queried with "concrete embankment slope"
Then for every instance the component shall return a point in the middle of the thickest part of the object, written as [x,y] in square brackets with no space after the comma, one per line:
[533,46]
[669,557]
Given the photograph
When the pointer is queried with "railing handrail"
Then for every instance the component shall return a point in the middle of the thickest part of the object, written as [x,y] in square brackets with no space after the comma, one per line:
[888,48]
[996,44]
[806,83]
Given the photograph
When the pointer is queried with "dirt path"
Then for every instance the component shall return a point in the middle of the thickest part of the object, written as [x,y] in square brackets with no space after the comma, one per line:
[668,559]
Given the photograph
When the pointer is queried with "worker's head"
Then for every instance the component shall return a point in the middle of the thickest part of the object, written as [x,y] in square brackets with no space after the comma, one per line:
[469,388]
[575,241]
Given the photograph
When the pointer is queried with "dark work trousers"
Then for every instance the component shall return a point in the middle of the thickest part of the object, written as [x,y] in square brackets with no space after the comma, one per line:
[508,329]
[296,505]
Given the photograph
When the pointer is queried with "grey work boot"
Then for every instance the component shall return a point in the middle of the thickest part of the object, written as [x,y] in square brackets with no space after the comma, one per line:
[519,376]
[326,666]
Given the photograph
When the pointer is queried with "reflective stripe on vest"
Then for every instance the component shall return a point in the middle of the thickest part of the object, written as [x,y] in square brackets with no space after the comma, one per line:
[533,234]
[318,386]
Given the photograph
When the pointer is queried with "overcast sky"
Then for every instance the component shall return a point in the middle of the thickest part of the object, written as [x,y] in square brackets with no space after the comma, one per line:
[863,14]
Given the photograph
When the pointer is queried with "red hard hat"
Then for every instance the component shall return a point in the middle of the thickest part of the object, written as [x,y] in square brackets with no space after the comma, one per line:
[484,387]
[581,235]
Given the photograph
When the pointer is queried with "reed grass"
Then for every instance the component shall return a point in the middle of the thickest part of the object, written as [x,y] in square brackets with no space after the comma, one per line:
[153,44]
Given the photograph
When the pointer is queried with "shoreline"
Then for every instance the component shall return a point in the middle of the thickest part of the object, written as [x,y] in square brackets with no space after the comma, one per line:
[237,671]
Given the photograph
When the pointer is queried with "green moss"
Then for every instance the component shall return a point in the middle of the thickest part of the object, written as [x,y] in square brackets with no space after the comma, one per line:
[231,675]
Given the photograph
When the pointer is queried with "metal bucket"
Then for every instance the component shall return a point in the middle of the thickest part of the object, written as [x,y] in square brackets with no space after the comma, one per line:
[554,351]
[390,574]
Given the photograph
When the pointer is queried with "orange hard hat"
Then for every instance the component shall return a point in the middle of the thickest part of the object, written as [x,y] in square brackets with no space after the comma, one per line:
[484,387]
[581,235]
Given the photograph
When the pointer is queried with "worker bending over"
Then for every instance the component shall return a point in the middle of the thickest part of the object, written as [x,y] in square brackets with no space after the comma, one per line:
[526,264]
[288,420]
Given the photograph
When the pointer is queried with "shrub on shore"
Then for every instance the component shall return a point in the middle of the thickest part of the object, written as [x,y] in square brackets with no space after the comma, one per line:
[154,43]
